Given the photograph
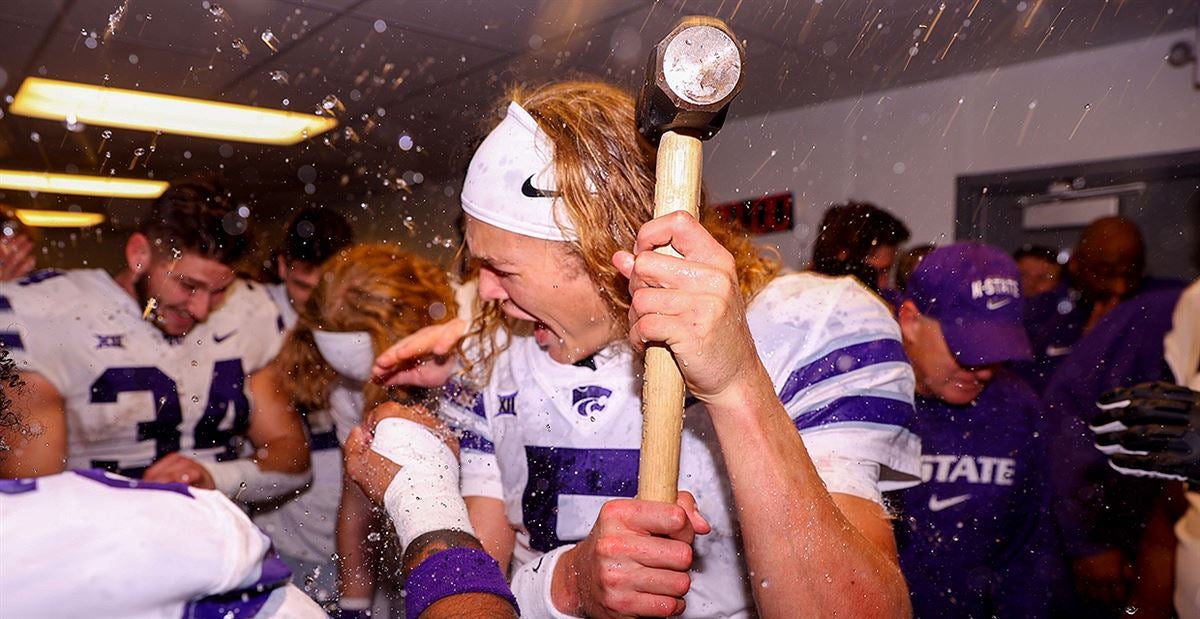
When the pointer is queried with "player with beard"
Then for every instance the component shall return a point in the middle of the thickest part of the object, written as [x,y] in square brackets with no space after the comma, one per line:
[97,535]
[800,392]
[154,373]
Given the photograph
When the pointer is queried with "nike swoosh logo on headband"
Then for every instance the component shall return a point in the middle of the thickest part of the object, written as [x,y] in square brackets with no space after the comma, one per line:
[529,191]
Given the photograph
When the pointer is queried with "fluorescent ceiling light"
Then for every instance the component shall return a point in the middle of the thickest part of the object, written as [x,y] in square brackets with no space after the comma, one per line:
[78,185]
[131,109]
[57,219]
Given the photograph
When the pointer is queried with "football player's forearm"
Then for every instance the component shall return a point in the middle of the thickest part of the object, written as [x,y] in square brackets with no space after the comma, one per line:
[283,454]
[354,523]
[275,430]
[34,429]
[803,551]
[472,604]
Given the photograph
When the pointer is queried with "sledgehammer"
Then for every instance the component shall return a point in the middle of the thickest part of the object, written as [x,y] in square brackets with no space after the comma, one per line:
[693,75]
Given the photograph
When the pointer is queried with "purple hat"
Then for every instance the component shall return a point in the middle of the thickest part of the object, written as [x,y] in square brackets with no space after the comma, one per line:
[973,290]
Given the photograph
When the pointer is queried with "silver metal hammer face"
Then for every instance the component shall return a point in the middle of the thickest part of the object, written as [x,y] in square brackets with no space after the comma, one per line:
[694,73]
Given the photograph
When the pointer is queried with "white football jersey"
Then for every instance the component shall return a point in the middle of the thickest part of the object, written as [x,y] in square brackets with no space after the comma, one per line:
[131,393]
[92,544]
[557,441]
[304,526]
[279,295]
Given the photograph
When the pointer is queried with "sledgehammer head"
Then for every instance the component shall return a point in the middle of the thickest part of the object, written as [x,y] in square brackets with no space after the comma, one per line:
[694,73]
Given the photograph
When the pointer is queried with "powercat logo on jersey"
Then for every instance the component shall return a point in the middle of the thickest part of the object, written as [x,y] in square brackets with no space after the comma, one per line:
[590,400]
[993,286]
[968,469]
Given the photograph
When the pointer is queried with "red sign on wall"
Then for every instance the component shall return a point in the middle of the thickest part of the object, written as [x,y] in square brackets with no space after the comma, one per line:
[771,213]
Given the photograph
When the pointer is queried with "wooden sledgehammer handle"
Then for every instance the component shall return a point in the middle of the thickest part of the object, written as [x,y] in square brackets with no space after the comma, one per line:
[677,189]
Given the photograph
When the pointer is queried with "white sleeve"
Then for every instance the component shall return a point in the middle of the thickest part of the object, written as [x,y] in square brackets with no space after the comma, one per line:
[33,339]
[259,316]
[844,379]
[531,586]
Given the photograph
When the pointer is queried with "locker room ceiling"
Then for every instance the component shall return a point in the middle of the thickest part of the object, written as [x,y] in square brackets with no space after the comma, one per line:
[429,69]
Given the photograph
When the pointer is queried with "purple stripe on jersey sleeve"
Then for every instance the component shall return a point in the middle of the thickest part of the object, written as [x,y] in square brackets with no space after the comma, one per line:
[113,480]
[246,601]
[859,408]
[841,361]
[474,442]
[17,486]
[11,340]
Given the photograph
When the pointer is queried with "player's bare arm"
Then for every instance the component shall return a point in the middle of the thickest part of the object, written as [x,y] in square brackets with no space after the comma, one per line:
[36,439]
[275,428]
[791,526]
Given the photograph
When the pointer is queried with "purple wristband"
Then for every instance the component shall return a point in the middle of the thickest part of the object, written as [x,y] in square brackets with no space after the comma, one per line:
[451,572]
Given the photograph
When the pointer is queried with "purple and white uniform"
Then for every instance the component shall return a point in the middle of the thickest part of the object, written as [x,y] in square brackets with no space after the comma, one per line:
[555,442]
[133,394]
[93,544]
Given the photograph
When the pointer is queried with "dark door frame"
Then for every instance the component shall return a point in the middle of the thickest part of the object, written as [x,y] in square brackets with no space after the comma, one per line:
[973,189]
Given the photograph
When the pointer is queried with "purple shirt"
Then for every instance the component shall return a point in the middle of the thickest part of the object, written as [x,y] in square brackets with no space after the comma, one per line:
[1096,507]
[975,538]
[1055,321]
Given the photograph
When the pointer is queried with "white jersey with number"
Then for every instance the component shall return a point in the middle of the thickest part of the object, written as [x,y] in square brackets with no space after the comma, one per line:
[133,394]
[556,441]
[303,527]
[92,544]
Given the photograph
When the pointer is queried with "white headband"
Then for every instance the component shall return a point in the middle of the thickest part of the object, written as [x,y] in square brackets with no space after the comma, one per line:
[510,183]
[349,353]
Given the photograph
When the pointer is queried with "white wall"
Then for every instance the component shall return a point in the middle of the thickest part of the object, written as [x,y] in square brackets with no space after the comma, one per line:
[903,148]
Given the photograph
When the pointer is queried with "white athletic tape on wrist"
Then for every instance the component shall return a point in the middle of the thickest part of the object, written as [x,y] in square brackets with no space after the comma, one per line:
[510,182]
[424,495]
[243,480]
[531,586]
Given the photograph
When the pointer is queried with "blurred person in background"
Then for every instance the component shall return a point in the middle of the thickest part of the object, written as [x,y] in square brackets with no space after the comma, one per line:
[1117,531]
[17,257]
[1040,270]
[1107,266]
[366,297]
[313,235]
[160,371]
[1152,430]
[302,525]
[906,263]
[859,239]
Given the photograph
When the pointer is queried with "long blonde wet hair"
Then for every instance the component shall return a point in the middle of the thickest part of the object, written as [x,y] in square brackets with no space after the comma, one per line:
[376,288]
[605,173]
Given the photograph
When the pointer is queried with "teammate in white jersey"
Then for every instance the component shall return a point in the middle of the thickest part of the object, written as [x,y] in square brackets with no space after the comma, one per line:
[302,526]
[97,535]
[90,543]
[366,296]
[554,198]
[154,372]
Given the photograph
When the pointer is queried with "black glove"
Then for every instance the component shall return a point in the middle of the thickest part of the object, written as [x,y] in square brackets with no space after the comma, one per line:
[1151,430]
